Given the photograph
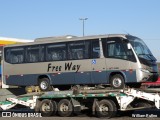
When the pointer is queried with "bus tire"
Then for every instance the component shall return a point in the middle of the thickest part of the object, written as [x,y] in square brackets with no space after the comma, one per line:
[106,108]
[65,108]
[48,107]
[117,81]
[44,84]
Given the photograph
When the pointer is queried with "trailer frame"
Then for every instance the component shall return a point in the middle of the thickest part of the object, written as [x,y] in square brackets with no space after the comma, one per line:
[101,101]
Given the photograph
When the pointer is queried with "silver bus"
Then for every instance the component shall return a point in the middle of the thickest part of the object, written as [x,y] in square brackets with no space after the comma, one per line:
[113,59]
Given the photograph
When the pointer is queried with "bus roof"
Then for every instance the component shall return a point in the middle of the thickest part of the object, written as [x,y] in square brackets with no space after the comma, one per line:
[71,37]
[68,38]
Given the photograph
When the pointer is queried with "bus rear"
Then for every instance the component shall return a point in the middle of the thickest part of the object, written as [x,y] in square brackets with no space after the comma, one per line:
[8,41]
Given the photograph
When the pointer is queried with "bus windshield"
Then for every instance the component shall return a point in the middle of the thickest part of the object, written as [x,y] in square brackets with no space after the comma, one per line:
[141,49]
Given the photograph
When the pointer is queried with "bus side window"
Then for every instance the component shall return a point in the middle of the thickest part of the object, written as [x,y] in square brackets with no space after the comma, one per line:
[33,58]
[7,55]
[79,50]
[114,48]
[32,54]
[20,58]
[79,54]
[95,49]
[131,56]
[16,55]
[41,54]
[56,52]
[76,50]
[14,59]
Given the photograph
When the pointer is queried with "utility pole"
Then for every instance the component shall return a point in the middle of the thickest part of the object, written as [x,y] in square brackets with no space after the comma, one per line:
[83,19]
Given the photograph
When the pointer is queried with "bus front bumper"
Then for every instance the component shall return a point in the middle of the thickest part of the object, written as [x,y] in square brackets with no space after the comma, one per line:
[150,77]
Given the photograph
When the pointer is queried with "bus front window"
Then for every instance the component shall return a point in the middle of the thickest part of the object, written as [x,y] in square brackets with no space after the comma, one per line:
[142,50]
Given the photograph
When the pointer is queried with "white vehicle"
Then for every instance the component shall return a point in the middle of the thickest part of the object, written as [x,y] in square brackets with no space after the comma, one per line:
[115,59]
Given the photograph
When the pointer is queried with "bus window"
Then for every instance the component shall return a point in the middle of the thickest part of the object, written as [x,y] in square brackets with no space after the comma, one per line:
[41,54]
[95,49]
[87,49]
[56,52]
[116,50]
[15,55]
[32,54]
[79,50]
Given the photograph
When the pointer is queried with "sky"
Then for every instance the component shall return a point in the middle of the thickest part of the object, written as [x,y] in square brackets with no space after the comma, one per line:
[31,19]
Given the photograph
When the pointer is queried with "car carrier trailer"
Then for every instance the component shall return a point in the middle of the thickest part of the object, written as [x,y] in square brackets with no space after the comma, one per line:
[102,102]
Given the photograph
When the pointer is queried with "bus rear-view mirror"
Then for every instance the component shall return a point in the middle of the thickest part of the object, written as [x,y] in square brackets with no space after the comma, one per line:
[129,46]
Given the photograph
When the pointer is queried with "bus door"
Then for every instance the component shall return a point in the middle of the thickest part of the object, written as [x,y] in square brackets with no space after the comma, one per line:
[98,75]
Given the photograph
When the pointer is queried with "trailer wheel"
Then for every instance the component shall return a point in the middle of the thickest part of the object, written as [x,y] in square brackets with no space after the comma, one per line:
[117,82]
[48,107]
[65,108]
[44,84]
[106,108]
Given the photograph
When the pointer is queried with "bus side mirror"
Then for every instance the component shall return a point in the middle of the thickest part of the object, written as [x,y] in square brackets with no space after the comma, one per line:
[129,46]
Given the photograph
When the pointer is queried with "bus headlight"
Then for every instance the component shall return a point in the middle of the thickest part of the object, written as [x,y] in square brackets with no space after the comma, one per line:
[144,70]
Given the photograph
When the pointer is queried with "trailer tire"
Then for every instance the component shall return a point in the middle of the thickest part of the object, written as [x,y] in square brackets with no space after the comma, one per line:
[65,108]
[44,84]
[48,107]
[117,81]
[106,108]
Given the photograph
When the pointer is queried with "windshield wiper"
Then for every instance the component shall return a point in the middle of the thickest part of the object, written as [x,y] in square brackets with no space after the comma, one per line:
[149,56]
[153,58]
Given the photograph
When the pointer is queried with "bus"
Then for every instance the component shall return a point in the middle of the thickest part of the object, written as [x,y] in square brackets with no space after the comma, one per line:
[112,59]
[7,41]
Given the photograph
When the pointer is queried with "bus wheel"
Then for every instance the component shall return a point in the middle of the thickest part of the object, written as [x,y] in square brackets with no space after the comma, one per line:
[65,108]
[48,107]
[106,108]
[117,82]
[44,84]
